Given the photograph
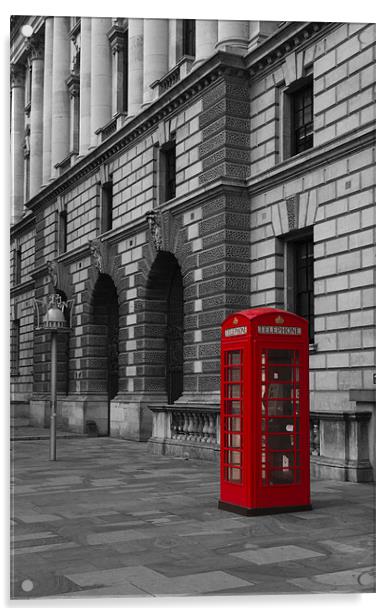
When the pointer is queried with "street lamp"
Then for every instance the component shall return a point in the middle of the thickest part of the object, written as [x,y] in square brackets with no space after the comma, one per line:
[53,321]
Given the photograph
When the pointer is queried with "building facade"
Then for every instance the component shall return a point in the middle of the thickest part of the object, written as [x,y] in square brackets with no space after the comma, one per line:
[166,173]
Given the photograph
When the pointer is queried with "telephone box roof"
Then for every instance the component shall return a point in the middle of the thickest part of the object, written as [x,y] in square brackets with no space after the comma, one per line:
[253,313]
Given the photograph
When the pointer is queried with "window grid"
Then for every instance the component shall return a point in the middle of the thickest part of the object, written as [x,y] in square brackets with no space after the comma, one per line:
[233,420]
[302,108]
[280,407]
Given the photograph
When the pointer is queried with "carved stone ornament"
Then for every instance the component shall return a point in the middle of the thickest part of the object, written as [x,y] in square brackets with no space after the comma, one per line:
[292,205]
[26,142]
[155,229]
[53,273]
[17,75]
[96,254]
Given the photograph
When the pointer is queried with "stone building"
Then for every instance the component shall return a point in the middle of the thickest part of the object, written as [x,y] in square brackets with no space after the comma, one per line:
[168,172]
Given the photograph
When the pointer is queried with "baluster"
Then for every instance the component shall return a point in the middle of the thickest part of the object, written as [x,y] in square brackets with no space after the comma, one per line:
[212,429]
[190,427]
[205,428]
[199,427]
[174,426]
[186,427]
[315,438]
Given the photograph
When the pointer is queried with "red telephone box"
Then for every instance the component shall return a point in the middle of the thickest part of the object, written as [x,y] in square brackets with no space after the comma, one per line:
[265,465]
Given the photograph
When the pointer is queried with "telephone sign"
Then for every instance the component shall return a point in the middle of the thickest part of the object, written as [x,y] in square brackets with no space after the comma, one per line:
[265,465]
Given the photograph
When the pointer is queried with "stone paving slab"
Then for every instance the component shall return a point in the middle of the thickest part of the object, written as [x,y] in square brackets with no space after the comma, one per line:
[109,519]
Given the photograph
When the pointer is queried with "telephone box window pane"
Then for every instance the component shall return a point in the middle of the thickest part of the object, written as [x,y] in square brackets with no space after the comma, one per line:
[280,407]
[233,374]
[233,424]
[233,407]
[280,442]
[233,441]
[281,425]
[280,390]
[233,457]
[234,357]
[279,373]
[233,474]
[279,459]
[280,356]
[233,391]
[279,477]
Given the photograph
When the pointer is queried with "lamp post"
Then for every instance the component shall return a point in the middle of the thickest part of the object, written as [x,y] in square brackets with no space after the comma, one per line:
[53,321]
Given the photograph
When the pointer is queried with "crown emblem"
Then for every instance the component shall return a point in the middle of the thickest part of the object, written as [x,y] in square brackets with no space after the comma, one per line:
[235,321]
[279,320]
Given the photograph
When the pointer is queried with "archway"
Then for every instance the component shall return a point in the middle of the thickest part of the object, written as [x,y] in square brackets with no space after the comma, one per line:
[105,321]
[165,309]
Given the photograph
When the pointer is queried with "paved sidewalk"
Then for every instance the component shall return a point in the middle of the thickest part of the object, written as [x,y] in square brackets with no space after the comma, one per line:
[109,519]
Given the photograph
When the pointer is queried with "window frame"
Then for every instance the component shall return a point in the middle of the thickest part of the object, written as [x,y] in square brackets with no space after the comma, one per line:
[167,170]
[291,243]
[106,217]
[288,95]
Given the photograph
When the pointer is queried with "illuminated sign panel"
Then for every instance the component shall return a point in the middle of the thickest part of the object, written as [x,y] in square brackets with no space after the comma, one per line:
[236,331]
[274,329]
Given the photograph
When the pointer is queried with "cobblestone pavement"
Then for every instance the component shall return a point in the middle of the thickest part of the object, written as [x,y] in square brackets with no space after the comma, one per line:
[110,519]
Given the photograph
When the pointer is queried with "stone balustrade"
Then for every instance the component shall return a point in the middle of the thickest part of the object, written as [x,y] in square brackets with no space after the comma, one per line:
[186,430]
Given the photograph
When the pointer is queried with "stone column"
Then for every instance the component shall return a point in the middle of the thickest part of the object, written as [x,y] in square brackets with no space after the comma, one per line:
[101,76]
[135,65]
[47,103]
[206,38]
[17,139]
[60,100]
[85,85]
[117,40]
[155,54]
[73,85]
[233,36]
[36,50]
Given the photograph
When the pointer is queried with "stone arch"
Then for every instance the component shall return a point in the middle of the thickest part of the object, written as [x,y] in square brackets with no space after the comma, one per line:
[100,365]
[160,329]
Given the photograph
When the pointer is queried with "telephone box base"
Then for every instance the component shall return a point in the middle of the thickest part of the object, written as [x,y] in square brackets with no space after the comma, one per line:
[261,510]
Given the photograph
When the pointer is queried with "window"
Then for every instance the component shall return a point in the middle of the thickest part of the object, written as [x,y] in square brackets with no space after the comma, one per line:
[62,231]
[15,347]
[300,279]
[167,170]
[297,122]
[302,110]
[188,37]
[17,266]
[107,205]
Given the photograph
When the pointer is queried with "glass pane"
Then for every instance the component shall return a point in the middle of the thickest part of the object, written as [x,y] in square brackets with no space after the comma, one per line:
[233,374]
[279,373]
[232,474]
[232,441]
[233,457]
[280,390]
[280,460]
[279,477]
[280,356]
[233,391]
[280,407]
[233,357]
[233,424]
[233,407]
[282,441]
[281,425]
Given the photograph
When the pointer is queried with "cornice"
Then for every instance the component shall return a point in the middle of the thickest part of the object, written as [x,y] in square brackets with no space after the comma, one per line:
[23,224]
[146,121]
[295,36]
[316,157]
[22,288]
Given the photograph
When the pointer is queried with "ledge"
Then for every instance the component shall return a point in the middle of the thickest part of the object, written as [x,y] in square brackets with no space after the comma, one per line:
[362,395]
